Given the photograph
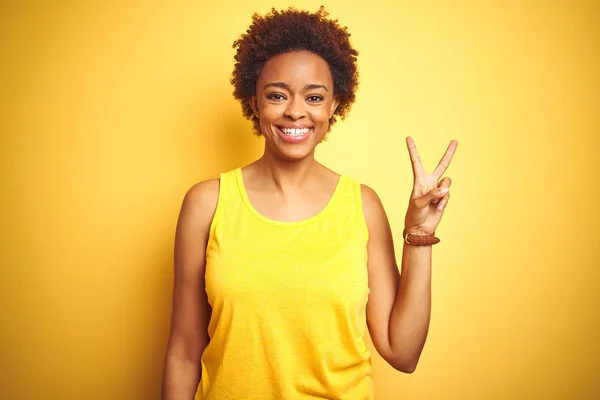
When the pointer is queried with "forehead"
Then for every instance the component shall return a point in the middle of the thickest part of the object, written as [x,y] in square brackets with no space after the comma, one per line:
[298,67]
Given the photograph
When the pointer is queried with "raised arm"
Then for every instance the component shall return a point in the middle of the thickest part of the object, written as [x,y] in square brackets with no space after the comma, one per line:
[191,312]
[399,305]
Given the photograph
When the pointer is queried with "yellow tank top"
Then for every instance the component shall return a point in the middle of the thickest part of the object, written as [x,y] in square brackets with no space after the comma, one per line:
[288,301]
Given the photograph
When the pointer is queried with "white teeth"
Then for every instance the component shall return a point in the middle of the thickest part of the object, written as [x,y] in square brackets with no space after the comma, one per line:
[295,132]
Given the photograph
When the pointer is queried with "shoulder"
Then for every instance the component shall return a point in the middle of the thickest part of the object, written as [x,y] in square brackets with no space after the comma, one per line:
[372,208]
[205,192]
[200,200]
[370,200]
[369,196]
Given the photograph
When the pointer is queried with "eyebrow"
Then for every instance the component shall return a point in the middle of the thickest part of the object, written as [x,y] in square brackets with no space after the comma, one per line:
[310,86]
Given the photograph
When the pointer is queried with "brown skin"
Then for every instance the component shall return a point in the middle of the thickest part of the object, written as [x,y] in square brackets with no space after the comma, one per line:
[294,88]
[191,312]
[288,184]
[399,305]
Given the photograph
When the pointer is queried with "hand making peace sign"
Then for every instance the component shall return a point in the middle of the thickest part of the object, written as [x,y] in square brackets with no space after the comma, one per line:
[430,195]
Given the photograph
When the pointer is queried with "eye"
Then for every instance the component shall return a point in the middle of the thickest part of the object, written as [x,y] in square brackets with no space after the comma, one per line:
[315,99]
[275,97]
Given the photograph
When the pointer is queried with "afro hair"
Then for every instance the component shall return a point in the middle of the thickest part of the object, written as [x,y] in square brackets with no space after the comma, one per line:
[289,30]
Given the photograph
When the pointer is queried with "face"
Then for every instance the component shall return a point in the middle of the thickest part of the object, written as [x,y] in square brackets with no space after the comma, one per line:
[294,102]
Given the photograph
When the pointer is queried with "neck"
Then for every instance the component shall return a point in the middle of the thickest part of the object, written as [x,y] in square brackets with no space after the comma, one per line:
[285,173]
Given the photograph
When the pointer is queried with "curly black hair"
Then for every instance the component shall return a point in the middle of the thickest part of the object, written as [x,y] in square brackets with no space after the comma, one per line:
[280,32]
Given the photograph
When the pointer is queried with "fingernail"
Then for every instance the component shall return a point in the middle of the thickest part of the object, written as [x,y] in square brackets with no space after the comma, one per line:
[441,207]
[444,190]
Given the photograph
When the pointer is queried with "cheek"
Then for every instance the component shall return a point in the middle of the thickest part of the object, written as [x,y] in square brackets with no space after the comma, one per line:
[270,111]
[268,115]
[321,114]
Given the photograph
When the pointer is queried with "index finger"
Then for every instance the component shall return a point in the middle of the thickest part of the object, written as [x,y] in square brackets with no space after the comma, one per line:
[415,160]
[445,161]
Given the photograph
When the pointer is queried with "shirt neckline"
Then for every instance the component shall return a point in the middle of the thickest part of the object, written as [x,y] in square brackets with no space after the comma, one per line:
[257,214]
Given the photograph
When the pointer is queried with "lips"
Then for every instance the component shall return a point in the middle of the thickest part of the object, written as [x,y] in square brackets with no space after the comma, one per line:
[294,134]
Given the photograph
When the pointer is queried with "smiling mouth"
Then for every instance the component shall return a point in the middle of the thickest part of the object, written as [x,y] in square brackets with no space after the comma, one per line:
[294,131]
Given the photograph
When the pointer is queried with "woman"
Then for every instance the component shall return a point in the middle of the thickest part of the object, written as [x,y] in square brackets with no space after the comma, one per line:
[282,264]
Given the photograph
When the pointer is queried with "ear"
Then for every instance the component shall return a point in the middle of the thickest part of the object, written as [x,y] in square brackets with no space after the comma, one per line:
[254,104]
[334,105]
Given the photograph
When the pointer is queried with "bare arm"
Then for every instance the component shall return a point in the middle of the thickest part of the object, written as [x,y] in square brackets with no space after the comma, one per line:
[399,306]
[191,312]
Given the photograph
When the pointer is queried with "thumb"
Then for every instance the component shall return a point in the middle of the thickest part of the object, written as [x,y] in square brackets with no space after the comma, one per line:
[434,194]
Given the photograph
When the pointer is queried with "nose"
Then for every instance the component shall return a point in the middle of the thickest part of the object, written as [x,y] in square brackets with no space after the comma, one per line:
[295,109]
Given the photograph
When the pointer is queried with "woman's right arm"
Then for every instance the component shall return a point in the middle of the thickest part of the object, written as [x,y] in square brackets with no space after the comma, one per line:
[190,315]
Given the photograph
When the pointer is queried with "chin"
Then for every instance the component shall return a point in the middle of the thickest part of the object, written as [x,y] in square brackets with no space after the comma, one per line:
[295,155]
[290,152]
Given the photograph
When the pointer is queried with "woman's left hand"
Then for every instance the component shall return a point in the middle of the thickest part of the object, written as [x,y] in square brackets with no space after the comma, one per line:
[430,195]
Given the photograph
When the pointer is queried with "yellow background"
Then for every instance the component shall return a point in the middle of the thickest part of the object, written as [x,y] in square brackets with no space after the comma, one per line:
[110,111]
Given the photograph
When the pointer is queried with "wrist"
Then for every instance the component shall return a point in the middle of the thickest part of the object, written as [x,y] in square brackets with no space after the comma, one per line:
[414,231]
[419,238]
